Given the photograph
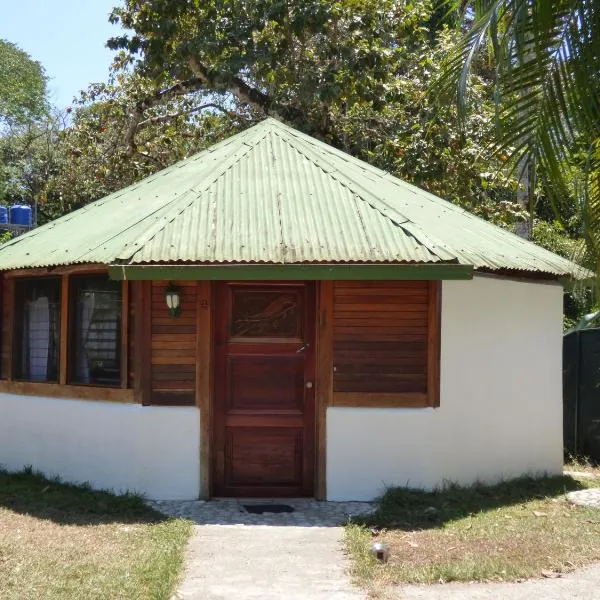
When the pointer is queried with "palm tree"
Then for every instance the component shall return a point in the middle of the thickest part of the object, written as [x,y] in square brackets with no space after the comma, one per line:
[546,70]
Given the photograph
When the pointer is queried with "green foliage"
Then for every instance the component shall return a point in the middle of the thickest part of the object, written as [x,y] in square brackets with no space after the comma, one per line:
[93,158]
[22,86]
[553,237]
[544,55]
[296,58]
[28,157]
[354,73]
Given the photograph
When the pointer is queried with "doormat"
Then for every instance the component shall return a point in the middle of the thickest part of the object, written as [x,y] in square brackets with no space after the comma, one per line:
[259,509]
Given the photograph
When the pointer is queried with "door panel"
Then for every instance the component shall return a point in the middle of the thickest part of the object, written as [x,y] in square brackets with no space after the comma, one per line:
[264,418]
[265,383]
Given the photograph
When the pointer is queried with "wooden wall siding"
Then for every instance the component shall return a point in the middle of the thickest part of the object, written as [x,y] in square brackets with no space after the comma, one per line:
[8,287]
[380,339]
[173,347]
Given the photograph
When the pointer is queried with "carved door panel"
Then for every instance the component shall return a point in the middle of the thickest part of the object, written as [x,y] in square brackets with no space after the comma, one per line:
[264,418]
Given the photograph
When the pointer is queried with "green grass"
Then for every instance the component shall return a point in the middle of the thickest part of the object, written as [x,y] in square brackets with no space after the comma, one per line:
[517,529]
[68,542]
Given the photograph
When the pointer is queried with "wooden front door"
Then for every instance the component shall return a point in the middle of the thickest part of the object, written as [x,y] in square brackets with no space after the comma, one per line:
[264,415]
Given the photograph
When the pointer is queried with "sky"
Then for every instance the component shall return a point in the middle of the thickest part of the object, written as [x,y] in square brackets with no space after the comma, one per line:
[67,37]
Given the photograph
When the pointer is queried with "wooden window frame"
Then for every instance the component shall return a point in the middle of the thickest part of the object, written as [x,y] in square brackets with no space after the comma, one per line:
[70,356]
[429,399]
[17,316]
[120,392]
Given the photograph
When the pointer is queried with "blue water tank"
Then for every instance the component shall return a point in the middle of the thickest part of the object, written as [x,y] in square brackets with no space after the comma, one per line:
[26,214]
[20,214]
[15,214]
[3,215]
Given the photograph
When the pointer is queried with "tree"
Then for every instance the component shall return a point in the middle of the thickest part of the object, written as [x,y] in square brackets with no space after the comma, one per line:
[94,155]
[26,126]
[22,87]
[28,157]
[354,73]
[547,88]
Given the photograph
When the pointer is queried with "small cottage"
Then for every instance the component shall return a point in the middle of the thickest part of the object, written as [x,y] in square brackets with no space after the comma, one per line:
[273,317]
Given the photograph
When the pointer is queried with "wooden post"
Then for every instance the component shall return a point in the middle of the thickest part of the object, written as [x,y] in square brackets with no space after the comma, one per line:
[204,380]
[124,334]
[142,298]
[64,331]
[324,381]
[434,326]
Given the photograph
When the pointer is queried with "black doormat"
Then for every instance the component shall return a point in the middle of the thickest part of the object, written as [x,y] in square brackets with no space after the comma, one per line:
[259,509]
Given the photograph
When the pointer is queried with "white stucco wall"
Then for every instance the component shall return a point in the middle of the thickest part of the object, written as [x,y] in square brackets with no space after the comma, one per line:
[500,411]
[151,450]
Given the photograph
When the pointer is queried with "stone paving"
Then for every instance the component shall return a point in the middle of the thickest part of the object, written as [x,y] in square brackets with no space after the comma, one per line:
[307,513]
[589,497]
[237,555]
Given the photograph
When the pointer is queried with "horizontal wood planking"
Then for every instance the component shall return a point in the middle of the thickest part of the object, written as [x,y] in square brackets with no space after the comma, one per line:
[173,346]
[172,398]
[380,342]
[75,392]
[379,400]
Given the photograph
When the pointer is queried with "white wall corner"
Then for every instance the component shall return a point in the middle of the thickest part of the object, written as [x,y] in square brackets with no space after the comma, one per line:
[153,451]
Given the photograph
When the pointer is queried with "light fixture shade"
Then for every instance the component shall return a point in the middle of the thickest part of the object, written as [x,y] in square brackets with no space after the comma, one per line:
[173,300]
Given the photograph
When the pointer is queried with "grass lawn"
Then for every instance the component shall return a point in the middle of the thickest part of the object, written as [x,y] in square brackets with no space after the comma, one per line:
[67,542]
[517,529]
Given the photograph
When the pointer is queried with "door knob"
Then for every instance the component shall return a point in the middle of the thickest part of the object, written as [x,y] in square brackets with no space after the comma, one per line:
[309,385]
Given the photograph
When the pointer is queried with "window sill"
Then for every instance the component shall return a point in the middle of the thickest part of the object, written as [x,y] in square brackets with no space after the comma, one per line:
[74,392]
[381,400]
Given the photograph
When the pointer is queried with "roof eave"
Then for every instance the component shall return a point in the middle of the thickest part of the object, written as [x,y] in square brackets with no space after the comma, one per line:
[282,272]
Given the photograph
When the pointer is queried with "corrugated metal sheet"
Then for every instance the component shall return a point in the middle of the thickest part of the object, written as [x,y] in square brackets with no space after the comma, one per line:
[274,195]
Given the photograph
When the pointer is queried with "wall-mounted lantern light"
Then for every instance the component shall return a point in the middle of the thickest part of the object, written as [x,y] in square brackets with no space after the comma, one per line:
[173,300]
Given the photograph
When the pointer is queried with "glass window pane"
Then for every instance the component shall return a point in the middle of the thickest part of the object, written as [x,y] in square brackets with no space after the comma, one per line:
[95,322]
[37,343]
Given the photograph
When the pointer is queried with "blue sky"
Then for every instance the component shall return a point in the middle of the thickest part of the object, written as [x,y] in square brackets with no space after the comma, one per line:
[66,36]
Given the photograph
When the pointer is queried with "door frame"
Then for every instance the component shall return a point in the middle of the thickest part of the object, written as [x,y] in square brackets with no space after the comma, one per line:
[205,374]
[206,384]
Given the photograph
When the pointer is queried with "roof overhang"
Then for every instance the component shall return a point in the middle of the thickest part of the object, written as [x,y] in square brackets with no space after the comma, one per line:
[262,271]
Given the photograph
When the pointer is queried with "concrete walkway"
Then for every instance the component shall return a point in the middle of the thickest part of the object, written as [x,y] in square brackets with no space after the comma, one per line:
[227,562]
[236,555]
[583,584]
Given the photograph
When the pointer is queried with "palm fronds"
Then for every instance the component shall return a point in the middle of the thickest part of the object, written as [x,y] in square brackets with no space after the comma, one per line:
[546,58]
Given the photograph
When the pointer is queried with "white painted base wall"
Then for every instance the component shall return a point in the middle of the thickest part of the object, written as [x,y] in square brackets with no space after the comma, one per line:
[500,411]
[500,414]
[154,451]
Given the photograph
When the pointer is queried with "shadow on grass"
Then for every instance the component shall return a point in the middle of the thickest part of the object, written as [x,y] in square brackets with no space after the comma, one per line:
[409,509]
[30,493]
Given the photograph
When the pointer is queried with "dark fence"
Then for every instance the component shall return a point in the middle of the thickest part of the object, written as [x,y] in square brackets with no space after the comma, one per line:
[581,392]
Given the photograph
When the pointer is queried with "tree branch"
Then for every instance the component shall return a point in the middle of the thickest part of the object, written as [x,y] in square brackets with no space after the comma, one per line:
[169,116]
[159,97]
[230,83]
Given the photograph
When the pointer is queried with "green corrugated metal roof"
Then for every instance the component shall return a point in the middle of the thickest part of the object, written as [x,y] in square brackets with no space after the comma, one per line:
[273,195]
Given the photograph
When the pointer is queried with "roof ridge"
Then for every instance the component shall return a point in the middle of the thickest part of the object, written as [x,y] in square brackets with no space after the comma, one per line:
[210,178]
[423,239]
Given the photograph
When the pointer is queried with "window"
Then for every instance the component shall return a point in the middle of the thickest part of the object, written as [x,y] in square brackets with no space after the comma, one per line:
[37,329]
[95,331]
[386,343]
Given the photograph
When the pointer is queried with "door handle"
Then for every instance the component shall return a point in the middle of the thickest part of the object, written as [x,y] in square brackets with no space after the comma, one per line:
[303,347]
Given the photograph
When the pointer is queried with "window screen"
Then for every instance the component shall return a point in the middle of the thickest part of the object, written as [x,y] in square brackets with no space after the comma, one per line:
[95,331]
[37,316]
